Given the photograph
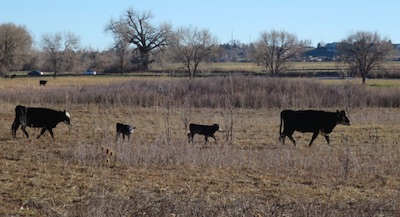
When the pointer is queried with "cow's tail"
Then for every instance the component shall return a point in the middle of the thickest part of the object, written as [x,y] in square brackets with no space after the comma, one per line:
[280,127]
[17,121]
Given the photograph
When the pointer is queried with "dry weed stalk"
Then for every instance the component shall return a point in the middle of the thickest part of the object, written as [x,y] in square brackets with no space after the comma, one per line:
[108,156]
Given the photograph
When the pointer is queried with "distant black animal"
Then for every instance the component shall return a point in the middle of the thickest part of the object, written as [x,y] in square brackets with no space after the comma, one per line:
[206,130]
[43,82]
[125,129]
[13,76]
[317,122]
[44,118]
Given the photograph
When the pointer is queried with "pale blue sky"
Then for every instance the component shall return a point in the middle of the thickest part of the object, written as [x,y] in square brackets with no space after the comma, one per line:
[315,20]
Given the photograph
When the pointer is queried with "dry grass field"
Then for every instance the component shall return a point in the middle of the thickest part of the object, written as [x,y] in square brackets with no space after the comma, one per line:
[158,173]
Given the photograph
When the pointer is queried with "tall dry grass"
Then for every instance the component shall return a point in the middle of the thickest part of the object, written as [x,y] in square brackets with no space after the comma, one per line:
[155,176]
[251,175]
[219,92]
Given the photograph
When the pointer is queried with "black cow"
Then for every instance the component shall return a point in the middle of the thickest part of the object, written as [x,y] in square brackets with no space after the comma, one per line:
[125,129]
[206,130]
[43,82]
[317,122]
[44,118]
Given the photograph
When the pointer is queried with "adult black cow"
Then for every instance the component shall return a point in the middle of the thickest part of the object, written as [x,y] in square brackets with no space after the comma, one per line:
[206,130]
[44,118]
[317,122]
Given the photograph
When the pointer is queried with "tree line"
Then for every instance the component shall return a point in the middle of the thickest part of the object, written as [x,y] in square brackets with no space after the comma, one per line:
[138,43]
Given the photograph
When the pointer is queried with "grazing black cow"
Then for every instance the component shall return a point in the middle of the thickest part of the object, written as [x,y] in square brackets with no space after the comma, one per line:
[43,82]
[44,118]
[317,122]
[125,129]
[206,130]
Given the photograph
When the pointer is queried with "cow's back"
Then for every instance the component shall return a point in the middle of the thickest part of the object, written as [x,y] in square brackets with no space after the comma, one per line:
[305,120]
[40,117]
[194,128]
[124,128]
[207,130]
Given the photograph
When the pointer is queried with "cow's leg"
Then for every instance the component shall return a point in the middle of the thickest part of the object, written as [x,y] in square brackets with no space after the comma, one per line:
[327,139]
[292,139]
[14,128]
[23,130]
[314,136]
[282,138]
[51,133]
[190,136]
[41,132]
[123,136]
[289,134]
[214,137]
[206,139]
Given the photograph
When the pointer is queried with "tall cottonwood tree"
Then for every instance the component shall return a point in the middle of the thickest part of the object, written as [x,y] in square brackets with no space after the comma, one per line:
[275,49]
[60,49]
[135,28]
[364,51]
[15,44]
[191,47]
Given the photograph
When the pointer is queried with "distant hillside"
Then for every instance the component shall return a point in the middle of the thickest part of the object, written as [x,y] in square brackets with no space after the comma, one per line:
[321,52]
[328,52]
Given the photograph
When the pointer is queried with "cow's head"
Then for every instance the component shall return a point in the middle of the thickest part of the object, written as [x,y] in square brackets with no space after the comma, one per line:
[131,129]
[342,117]
[217,128]
[67,118]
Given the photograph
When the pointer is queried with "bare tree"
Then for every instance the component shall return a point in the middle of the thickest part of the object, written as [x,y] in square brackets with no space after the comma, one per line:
[364,51]
[121,45]
[135,28]
[89,58]
[193,46]
[60,48]
[275,49]
[15,44]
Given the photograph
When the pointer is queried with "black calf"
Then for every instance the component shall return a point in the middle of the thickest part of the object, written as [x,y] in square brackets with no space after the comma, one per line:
[125,129]
[206,130]
[43,82]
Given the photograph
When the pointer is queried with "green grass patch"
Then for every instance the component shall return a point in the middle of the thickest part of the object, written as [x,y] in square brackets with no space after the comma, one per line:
[381,85]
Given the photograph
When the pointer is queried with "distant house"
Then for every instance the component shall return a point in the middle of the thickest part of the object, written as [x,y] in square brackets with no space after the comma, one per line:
[331,47]
[321,53]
